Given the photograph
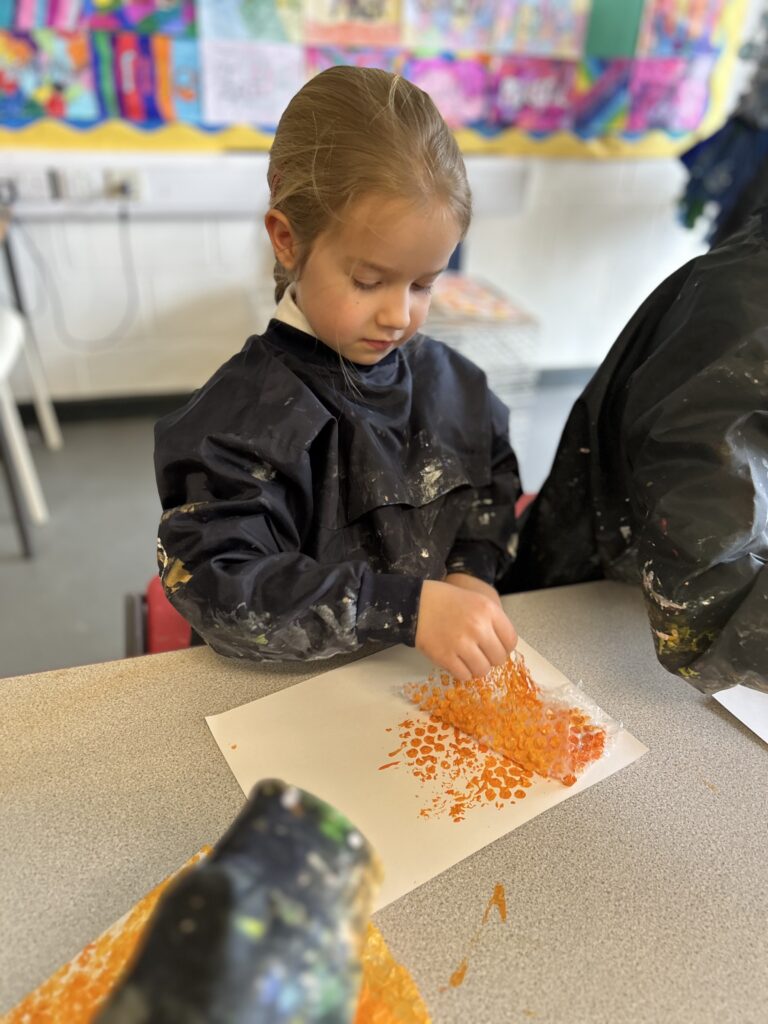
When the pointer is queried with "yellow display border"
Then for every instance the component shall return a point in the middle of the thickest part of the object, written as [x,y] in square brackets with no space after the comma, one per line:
[122,135]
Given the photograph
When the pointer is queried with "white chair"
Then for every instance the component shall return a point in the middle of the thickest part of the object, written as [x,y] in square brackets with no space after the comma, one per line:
[14,342]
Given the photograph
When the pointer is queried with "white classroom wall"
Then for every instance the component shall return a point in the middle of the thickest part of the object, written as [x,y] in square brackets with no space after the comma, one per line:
[579,243]
[590,241]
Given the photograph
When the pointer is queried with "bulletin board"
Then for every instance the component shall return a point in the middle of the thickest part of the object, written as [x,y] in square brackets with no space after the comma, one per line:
[607,78]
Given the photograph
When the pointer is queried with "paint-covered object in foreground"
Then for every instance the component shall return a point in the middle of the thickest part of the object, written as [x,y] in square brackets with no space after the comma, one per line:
[306,499]
[270,928]
[661,475]
[76,992]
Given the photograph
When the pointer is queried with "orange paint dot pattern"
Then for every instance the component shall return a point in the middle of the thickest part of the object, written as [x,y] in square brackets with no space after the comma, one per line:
[486,739]
[507,712]
[465,774]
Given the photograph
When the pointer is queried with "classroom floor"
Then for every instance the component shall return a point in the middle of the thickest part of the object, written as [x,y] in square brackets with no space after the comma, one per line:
[66,606]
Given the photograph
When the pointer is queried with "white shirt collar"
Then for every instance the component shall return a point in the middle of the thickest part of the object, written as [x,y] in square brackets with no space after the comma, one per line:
[289,313]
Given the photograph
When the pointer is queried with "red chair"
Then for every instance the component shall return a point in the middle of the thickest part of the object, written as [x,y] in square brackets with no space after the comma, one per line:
[152,624]
[522,503]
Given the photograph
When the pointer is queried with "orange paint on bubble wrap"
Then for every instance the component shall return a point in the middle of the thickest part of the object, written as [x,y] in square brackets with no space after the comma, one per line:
[78,990]
[485,739]
[508,713]
[388,993]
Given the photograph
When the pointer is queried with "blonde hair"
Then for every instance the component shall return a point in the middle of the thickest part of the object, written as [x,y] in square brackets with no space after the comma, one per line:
[348,133]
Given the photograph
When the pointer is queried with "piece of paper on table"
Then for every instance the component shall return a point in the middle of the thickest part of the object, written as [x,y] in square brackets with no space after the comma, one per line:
[328,735]
[749,706]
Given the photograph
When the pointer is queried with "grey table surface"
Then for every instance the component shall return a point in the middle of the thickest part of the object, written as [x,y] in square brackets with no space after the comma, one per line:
[642,899]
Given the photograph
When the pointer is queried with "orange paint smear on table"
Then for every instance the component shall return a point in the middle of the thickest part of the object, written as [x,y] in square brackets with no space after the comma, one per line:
[459,974]
[76,993]
[499,901]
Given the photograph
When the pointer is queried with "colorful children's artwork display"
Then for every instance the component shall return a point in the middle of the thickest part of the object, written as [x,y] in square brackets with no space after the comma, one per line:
[320,58]
[47,74]
[542,28]
[674,28]
[458,87]
[353,22]
[177,79]
[507,75]
[670,94]
[273,21]
[148,80]
[170,17]
[249,82]
[533,94]
[450,25]
[26,15]
[601,98]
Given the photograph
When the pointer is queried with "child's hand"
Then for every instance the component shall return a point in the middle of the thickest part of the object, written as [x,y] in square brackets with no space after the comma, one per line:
[461,630]
[467,582]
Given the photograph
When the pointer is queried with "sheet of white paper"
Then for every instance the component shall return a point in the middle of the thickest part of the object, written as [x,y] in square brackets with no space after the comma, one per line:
[749,706]
[245,82]
[328,735]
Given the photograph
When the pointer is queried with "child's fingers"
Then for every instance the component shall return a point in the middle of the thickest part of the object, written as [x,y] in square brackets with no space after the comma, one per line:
[495,651]
[475,659]
[506,633]
[458,669]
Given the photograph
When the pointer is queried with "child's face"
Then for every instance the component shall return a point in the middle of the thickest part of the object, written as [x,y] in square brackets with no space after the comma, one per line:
[365,287]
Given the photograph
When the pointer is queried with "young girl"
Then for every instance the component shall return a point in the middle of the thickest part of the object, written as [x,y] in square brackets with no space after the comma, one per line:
[343,478]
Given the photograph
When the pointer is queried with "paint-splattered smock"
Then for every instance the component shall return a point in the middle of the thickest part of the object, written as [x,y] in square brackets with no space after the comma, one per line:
[662,470]
[306,502]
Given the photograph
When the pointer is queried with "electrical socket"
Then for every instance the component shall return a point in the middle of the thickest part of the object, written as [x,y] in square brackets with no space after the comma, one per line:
[81,184]
[32,184]
[122,184]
